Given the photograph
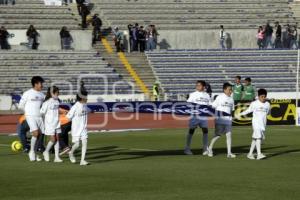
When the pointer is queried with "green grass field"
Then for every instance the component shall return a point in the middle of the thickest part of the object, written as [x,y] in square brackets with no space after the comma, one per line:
[150,165]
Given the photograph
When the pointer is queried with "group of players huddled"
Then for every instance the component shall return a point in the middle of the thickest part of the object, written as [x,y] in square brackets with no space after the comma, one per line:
[223,124]
[44,117]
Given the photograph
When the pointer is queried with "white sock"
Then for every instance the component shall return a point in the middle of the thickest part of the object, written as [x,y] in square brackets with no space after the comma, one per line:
[74,147]
[83,149]
[49,146]
[56,150]
[258,146]
[188,140]
[216,137]
[228,141]
[205,141]
[252,147]
[32,143]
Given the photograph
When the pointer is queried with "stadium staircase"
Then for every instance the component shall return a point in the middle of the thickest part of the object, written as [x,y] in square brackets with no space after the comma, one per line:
[133,67]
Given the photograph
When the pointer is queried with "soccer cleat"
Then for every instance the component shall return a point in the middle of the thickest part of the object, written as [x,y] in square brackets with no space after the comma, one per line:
[46,156]
[84,163]
[231,155]
[251,156]
[64,151]
[261,156]
[205,153]
[188,151]
[31,155]
[210,153]
[72,158]
[38,158]
[58,160]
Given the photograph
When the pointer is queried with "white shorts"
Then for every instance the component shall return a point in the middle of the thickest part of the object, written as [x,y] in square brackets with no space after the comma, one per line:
[258,134]
[221,129]
[52,131]
[78,138]
[35,123]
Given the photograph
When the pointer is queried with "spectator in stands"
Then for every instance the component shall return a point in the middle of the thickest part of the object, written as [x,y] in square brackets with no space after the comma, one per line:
[260,37]
[155,91]
[84,13]
[118,39]
[15,99]
[66,38]
[249,90]
[4,35]
[268,36]
[97,23]
[222,37]
[79,5]
[238,89]
[32,36]
[151,38]
[135,41]
[130,32]
[68,2]
[286,37]
[293,38]
[141,39]
[278,34]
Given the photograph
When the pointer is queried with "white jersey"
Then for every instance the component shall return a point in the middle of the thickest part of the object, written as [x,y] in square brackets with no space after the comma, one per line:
[31,102]
[224,104]
[201,98]
[50,110]
[260,111]
[78,114]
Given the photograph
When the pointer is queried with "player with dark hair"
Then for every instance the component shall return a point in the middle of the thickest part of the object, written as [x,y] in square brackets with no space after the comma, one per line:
[78,114]
[249,90]
[223,124]
[199,97]
[50,111]
[260,109]
[238,89]
[31,102]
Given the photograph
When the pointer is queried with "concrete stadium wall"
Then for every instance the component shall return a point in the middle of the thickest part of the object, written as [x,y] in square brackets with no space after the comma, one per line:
[50,39]
[205,39]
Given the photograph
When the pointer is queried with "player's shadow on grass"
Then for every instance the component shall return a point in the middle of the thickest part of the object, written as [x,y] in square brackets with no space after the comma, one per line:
[114,153]
[282,153]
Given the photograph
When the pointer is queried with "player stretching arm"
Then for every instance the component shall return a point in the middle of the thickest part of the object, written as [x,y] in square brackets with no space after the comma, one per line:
[78,114]
[202,98]
[260,109]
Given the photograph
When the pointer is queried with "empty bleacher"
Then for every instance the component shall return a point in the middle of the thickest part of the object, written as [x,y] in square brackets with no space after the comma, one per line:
[194,14]
[26,12]
[178,70]
[63,68]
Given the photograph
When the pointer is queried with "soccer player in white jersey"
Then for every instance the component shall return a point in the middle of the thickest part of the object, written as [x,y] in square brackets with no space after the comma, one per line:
[199,97]
[31,102]
[50,111]
[260,109]
[79,114]
[223,103]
